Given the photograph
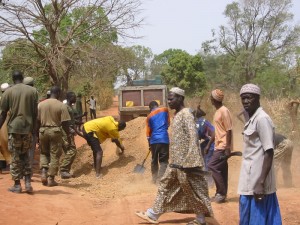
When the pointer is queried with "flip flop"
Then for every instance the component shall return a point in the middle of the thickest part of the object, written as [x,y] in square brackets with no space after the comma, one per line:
[144,216]
[195,222]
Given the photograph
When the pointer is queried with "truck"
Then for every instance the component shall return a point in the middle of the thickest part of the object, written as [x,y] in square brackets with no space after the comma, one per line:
[134,100]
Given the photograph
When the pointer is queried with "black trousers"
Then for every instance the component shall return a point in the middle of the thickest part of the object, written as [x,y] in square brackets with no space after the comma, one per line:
[93,113]
[219,169]
[160,160]
[92,141]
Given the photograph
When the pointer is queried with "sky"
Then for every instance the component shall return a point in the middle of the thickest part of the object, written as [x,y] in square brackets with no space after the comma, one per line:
[184,24]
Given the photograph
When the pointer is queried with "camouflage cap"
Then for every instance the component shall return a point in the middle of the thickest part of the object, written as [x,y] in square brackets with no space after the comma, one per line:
[28,81]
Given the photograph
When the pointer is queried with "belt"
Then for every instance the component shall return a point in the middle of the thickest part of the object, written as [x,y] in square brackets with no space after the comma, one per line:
[194,170]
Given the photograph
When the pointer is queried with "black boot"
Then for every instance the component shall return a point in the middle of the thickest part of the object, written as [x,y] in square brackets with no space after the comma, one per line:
[16,188]
[44,176]
[65,175]
[28,186]
[52,182]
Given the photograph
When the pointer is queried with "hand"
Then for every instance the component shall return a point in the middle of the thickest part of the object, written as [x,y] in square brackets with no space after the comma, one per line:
[227,151]
[206,149]
[258,191]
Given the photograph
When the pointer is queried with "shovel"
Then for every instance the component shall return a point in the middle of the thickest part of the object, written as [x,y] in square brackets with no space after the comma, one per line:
[237,153]
[140,168]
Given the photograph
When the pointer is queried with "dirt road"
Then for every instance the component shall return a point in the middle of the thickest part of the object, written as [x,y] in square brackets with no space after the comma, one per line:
[113,199]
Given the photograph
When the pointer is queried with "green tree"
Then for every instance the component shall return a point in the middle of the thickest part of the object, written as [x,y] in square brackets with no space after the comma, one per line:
[60,32]
[134,64]
[257,32]
[20,55]
[185,71]
[161,60]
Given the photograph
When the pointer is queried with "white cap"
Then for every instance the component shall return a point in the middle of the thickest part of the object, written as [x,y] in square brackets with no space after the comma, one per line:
[177,90]
[4,86]
[65,101]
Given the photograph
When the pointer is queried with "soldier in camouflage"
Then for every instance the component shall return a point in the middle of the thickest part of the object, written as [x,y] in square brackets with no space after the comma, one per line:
[21,101]
[69,150]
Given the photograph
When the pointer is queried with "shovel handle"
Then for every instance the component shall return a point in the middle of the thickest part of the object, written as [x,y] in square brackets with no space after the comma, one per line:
[146,157]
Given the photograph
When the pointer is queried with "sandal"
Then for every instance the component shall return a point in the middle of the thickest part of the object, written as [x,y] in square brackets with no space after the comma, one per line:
[195,222]
[144,216]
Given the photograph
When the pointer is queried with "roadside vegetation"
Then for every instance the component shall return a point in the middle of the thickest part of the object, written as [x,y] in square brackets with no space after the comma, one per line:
[78,45]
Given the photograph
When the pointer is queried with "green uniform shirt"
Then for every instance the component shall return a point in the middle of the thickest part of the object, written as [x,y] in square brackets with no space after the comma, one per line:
[72,113]
[21,100]
[52,113]
[79,106]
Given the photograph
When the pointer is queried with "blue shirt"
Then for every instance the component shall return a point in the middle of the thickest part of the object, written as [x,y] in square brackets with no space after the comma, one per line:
[203,126]
[157,126]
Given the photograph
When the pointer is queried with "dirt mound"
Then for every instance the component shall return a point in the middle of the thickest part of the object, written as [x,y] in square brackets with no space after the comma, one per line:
[118,178]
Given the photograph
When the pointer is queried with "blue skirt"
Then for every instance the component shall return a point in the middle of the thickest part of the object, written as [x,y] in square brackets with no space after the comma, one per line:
[264,212]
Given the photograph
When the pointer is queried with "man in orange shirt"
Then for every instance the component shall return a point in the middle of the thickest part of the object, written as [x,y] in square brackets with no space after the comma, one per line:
[223,144]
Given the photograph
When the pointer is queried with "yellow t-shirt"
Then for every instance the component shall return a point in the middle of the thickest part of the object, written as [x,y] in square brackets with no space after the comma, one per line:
[103,128]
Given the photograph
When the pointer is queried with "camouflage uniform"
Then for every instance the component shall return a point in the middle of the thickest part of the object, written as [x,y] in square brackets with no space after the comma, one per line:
[19,145]
[69,150]
[20,101]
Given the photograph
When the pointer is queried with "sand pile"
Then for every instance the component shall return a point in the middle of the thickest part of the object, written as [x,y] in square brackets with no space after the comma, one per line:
[118,178]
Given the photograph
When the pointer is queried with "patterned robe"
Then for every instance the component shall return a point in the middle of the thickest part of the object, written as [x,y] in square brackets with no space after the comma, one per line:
[179,190]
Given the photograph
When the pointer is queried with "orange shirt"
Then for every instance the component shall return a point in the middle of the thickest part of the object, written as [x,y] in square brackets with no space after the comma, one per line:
[222,123]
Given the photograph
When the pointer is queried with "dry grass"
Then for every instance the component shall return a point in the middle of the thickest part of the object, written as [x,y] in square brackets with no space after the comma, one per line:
[276,108]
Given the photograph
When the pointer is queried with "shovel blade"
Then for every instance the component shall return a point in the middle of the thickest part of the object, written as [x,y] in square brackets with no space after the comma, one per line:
[139,169]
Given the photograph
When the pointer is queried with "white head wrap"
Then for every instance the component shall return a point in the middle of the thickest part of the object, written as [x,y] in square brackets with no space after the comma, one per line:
[4,86]
[178,91]
[250,88]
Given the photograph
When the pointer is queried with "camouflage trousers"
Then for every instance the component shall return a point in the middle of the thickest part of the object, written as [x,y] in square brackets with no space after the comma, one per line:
[51,148]
[283,158]
[69,154]
[19,145]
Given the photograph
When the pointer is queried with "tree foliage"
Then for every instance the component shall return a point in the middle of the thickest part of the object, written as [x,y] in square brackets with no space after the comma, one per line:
[135,64]
[257,44]
[60,32]
[184,71]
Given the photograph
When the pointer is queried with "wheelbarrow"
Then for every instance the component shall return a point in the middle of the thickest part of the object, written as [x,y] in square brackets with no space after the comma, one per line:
[139,168]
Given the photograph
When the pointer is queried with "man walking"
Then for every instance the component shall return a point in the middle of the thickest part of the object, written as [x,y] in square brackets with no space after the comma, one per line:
[30,81]
[53,116]
[257,187]
[69,149]
[21,101]
[183,187]
[223,143]
[97,131]
[92,103]
[157,134]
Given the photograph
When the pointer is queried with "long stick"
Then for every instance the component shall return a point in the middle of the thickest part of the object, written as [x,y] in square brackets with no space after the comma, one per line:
[85,108]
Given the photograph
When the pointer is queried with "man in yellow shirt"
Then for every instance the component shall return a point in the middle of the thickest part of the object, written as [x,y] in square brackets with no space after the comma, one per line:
[97,131]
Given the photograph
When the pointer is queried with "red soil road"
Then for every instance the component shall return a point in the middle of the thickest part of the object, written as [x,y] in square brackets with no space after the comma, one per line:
[113,199]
